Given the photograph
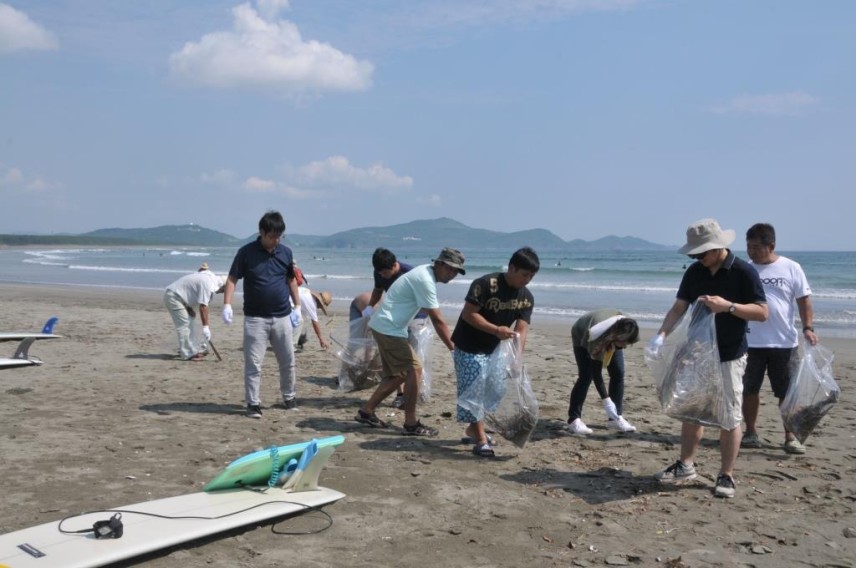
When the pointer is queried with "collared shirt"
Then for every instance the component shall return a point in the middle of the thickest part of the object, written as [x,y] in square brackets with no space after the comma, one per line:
[266,275]
[736,281]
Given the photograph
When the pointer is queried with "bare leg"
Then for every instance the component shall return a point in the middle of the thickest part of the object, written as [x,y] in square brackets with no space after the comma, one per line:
[729,447]
[476,431]
[788,435]
[382,391]
[690,437]
[411,394]
[751,407]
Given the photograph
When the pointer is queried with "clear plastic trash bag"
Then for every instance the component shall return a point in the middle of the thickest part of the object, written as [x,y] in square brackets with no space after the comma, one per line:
[356,349]
[812,392]
[688,373]
[503,395]
[361,365]
[421,337]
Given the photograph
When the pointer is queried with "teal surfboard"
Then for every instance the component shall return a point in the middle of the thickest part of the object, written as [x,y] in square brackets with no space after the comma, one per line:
[257,468]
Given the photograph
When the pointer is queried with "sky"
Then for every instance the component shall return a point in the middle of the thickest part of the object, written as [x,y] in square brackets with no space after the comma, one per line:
[587,118]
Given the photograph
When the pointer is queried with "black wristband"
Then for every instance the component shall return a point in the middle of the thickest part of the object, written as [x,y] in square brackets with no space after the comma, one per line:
[808,328]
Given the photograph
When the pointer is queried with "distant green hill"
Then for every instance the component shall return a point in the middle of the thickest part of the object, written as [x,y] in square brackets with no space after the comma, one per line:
[448,232]
[433,233]
[189,235]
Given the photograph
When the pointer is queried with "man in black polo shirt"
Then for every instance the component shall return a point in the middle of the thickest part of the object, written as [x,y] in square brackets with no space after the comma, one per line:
[267,267]
[731,289]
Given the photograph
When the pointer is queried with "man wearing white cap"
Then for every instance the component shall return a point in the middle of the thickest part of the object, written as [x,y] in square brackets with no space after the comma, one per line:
[731,289]
[183,298]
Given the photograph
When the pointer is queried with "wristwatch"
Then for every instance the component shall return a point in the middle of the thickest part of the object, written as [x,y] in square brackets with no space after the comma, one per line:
[732,308]
[808,328]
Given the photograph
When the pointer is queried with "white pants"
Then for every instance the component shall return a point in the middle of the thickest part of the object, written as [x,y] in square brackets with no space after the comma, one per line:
[185,326]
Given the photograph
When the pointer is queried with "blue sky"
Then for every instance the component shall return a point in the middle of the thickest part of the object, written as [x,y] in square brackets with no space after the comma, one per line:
[584,117]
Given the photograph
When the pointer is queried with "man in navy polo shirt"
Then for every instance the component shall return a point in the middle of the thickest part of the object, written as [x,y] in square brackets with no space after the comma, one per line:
[732,290]
[267,267]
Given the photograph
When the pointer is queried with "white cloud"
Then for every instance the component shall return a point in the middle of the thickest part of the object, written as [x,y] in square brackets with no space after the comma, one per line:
[19,33]
[12,176]
[338,172]
[219,177]
[268,55]
[255,184]
[777,104]
[14,179]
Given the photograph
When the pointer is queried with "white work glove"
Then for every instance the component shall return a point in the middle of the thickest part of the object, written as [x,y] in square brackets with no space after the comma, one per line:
[227,314]
[368,311]
[296,318]
[206,332]
[654,344]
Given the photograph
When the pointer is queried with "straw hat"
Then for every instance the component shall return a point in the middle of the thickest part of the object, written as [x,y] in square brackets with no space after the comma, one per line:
[322,300]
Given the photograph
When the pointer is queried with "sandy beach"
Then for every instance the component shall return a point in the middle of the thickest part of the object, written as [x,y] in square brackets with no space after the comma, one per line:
[112,417]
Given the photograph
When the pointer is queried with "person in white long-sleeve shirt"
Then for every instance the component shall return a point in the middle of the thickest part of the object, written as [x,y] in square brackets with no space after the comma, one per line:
[183,298]
[310,303]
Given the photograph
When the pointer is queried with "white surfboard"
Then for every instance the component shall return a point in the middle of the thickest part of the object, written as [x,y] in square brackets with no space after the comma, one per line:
[145,528]
[43,546]
[21,357]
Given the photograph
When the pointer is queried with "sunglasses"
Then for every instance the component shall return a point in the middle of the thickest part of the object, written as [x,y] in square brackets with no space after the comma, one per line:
[698,256]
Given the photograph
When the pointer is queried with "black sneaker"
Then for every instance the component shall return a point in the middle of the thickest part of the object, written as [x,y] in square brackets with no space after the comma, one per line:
[254,411]
[290,404]
[724,486]
[678,471]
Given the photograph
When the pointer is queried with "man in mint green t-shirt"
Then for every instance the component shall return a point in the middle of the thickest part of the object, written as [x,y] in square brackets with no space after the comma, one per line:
[414,291]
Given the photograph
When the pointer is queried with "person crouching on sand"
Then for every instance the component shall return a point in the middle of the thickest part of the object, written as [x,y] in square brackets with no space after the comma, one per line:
[599,339]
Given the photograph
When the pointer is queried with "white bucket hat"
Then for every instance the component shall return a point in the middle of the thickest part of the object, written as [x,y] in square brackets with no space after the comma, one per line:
[705,235]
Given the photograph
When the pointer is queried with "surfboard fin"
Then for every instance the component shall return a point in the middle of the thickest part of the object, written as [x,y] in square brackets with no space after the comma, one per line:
[309,466]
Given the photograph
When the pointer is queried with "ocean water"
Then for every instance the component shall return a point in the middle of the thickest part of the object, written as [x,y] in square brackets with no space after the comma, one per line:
[641,284]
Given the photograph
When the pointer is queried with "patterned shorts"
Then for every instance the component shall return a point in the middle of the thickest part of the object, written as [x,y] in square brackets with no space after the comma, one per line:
[480,388]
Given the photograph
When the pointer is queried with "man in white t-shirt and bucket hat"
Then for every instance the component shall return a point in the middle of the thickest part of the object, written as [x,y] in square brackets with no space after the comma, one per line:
[731,289]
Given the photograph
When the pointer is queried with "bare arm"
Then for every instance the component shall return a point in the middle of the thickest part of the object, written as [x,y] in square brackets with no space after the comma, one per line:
[749,312]
[229,290]
[203,313]
[806,310]
[673,316]
[295,293]
[471,315]
[317,327]
[377,294]
[440,326]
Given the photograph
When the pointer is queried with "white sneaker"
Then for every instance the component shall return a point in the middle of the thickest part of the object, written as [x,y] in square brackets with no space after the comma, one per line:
[578,428]
[621,425]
